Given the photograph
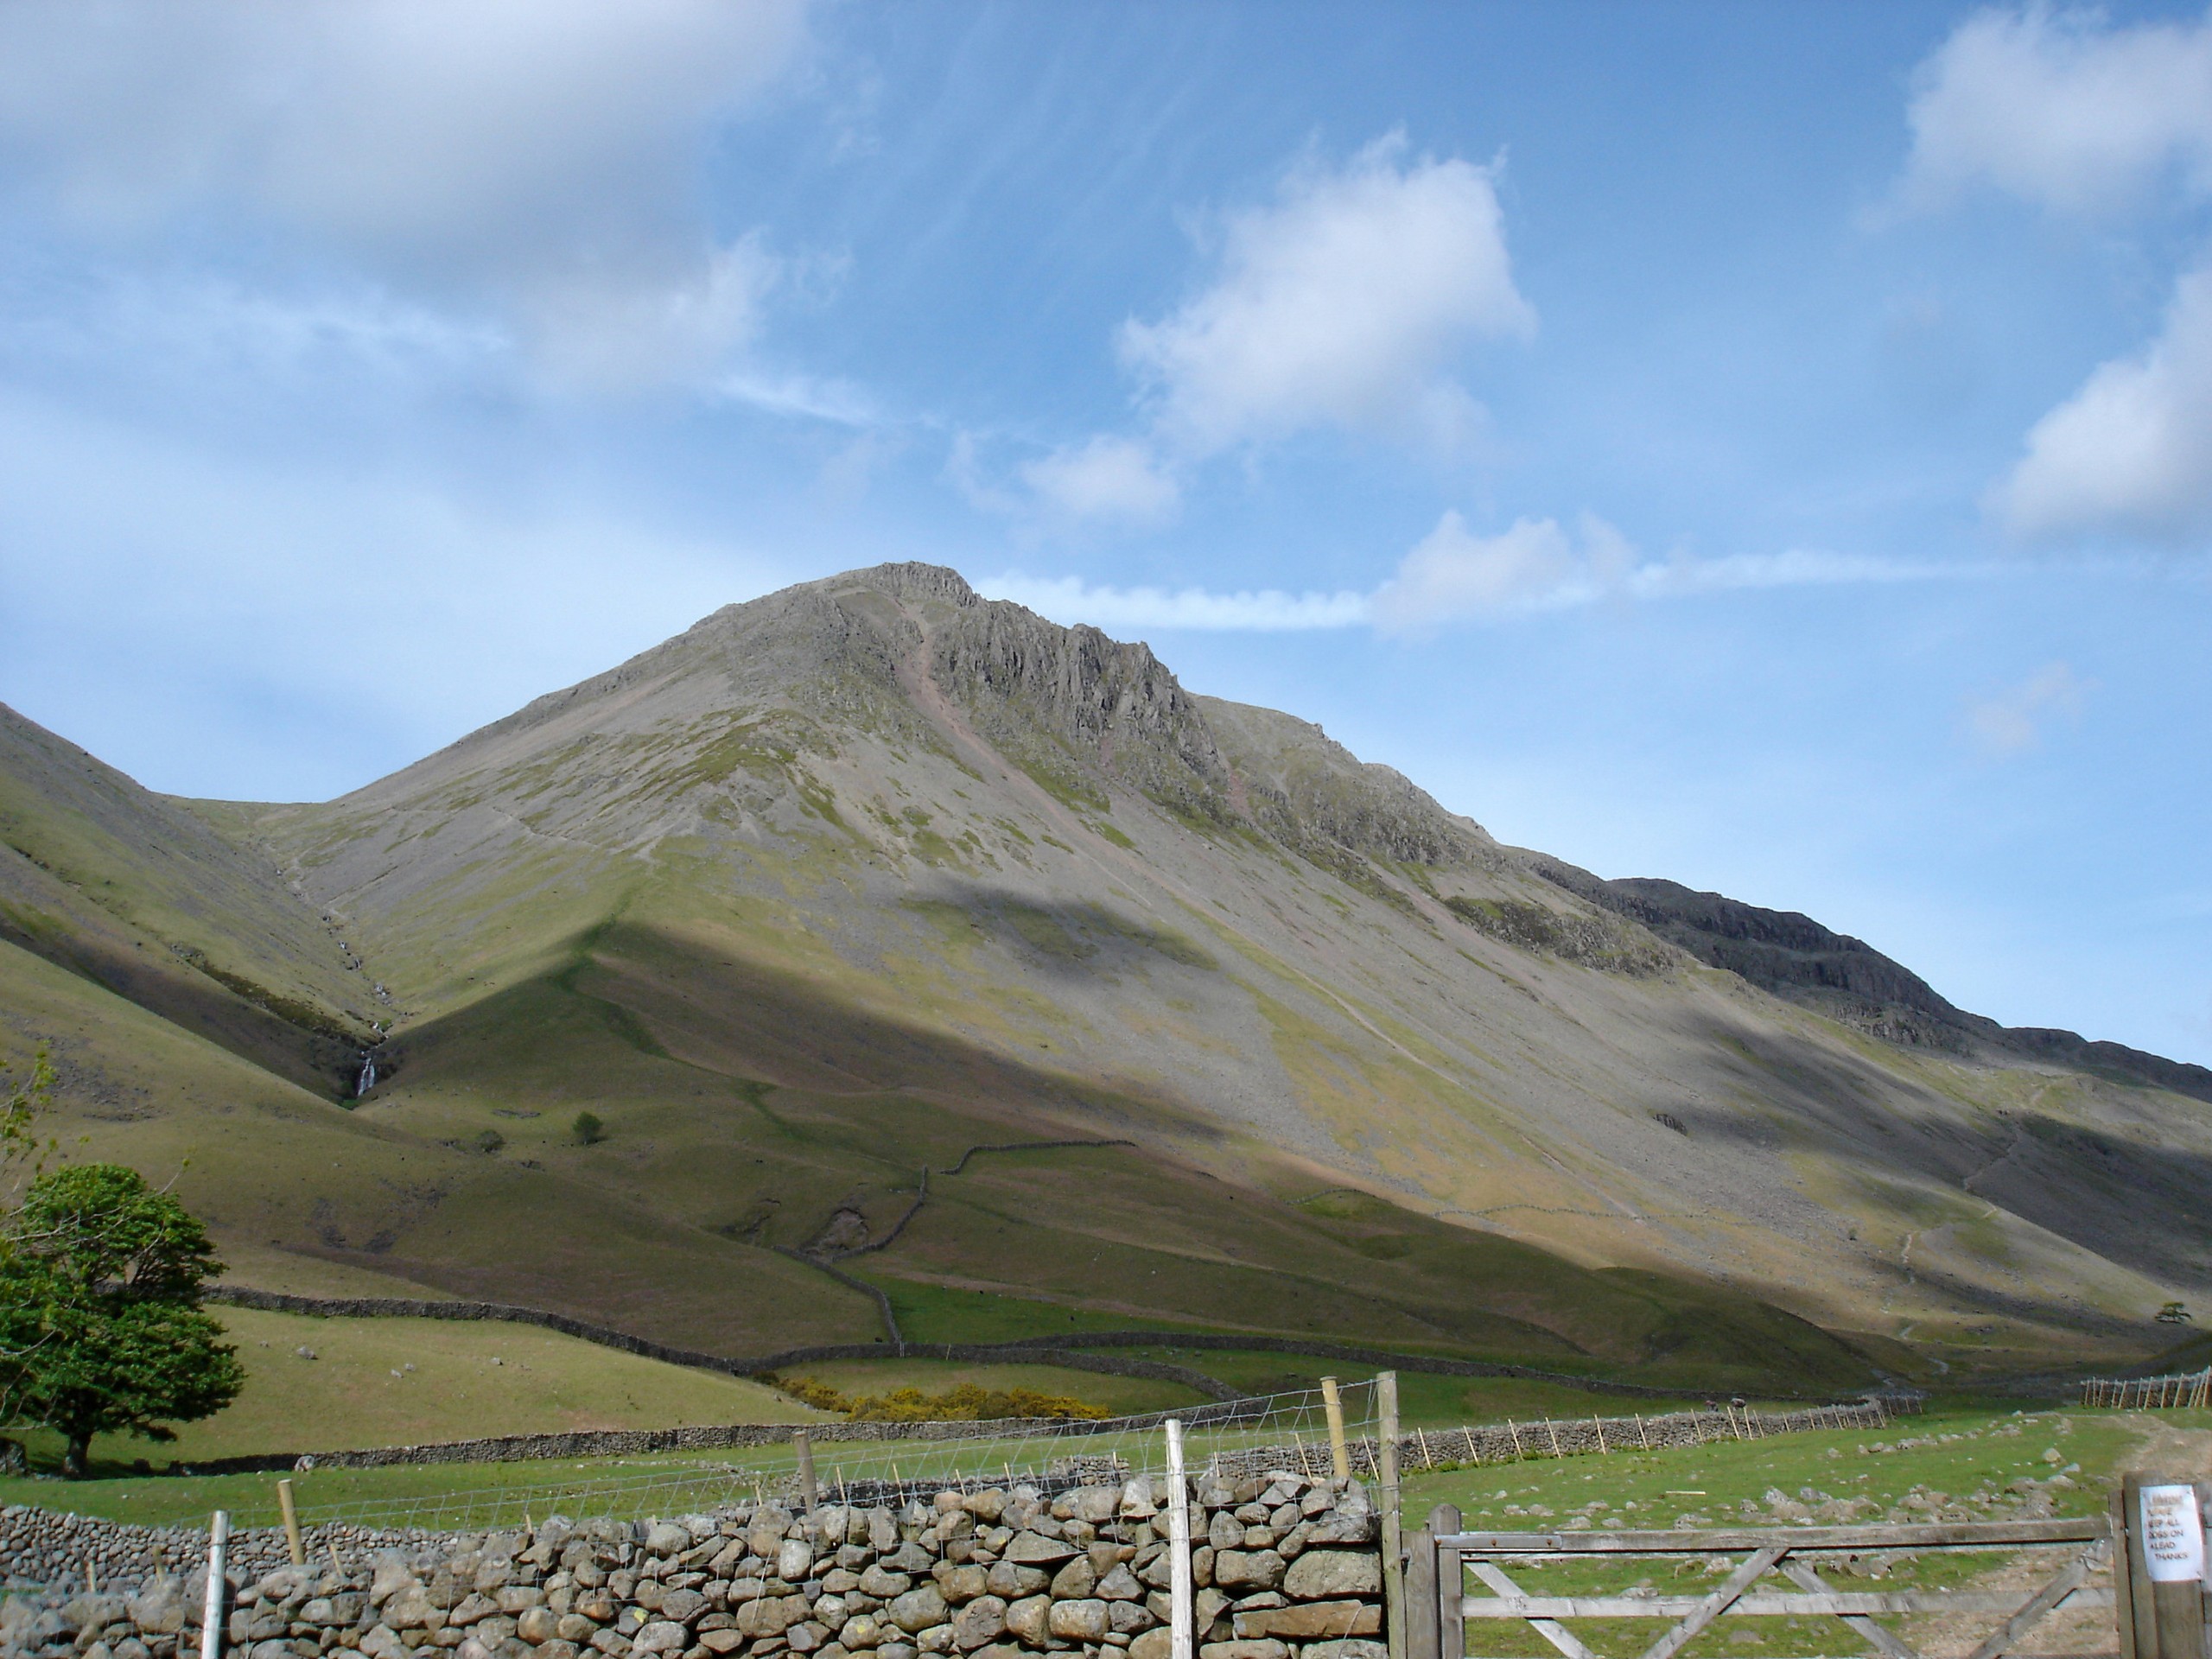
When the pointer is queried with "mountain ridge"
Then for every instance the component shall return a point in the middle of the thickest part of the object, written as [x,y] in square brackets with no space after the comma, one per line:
[841,875]
[1790,954]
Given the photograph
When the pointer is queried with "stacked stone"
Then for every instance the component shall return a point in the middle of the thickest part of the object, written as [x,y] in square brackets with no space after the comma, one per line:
[1286,1564]
[39,1547]
[1283,1566]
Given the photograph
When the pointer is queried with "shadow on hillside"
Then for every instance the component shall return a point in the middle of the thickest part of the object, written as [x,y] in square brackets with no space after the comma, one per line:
[654,991]
[642,995]
[2125,1196]
[1064,940]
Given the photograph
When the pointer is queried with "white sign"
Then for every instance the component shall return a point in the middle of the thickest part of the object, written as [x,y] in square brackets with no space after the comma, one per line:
[2173,1534]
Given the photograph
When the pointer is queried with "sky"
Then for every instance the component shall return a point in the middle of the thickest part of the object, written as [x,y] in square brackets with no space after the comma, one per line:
[1764,446]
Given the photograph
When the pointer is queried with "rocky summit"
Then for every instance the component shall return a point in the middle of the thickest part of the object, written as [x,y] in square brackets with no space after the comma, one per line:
[938,972]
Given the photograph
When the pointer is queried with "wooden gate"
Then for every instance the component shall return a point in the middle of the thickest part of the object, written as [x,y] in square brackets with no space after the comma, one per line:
[1439,1561]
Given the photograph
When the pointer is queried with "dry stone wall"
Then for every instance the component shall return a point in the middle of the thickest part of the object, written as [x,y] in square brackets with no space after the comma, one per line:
[1284,1567]
[1541,1438]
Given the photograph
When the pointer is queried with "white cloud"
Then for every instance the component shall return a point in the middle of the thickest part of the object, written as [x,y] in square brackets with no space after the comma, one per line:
[1070,600]
[1344,303]
[1106,478]
[1794,567]
[2131,451]
[2066,110]
[805,396]
[2012,720]
[1452,574]
[545,154]
[2060,107]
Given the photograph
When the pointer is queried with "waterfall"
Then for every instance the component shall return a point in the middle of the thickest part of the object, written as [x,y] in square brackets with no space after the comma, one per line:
[368,1077]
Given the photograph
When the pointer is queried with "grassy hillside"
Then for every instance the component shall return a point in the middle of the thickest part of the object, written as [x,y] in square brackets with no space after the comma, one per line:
[291,1177]
[381,1382]
[817,905]
[136,894]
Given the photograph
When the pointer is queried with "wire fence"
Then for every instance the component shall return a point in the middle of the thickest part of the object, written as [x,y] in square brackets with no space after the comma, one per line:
[1292,1430]
[1230,1441]
[2180,1390]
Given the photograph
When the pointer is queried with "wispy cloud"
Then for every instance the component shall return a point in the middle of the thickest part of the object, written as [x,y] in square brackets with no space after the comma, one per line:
[1452,572]
[2013,719]
[1455,576]
[1071,599]
[803,396]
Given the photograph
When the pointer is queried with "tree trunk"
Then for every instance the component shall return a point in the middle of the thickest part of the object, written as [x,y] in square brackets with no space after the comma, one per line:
[76,1463]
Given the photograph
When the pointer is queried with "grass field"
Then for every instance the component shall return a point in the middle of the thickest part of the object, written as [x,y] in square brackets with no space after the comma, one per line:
[436,1495]
[1951,1463]
[1955,1457]
[1953,1452]
[1424,1398]
[381,1382]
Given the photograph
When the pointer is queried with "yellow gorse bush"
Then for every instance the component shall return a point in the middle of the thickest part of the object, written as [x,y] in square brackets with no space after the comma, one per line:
[967,1403]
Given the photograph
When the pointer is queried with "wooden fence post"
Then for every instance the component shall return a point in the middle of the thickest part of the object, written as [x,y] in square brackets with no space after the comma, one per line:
[1393,1585]
[2123,1574]
[1181,1635]
[1450,1586]
[808,1492]
[291,1514]
[212,1613]
[1420,1595]
[2161,1533]
[1333,1402]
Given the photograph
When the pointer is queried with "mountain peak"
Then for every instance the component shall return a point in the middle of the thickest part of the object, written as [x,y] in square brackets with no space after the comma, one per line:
[854,877]
[911,579]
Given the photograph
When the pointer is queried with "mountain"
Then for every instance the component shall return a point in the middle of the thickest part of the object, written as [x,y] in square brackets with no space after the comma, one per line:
[908,943]
[1794,957]
[143,897]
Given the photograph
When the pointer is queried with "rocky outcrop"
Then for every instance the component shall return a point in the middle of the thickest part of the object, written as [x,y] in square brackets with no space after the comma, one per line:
[1112,707]
[1792,955]
[1307,790]
[1778,951]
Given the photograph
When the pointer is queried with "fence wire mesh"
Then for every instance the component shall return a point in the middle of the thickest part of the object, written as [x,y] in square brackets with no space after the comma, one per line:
[1283,1430]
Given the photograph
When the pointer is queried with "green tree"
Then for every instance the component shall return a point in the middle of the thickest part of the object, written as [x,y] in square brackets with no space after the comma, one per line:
[587,1129]
[2173,1313]
[101,1331]
[19,1110]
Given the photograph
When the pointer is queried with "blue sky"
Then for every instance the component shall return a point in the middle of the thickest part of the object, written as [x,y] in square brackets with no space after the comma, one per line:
[1765,446]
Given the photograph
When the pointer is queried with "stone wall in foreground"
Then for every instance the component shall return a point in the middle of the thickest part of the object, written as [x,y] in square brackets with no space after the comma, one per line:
[1285,1568]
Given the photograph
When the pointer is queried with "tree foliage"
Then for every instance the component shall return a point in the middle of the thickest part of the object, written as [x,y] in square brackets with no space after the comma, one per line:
[19,1110]
[101,1329]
